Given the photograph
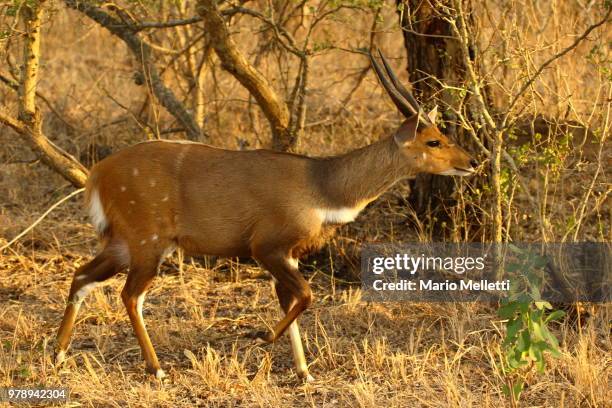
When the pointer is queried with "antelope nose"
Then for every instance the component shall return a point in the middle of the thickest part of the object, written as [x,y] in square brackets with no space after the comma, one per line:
[473,163]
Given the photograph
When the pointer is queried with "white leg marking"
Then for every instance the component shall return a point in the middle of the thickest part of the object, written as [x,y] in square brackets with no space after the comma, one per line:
[83,292]
[60,357]
[160,374]
[139,303]
[96,212]
[80,277]
[298,352]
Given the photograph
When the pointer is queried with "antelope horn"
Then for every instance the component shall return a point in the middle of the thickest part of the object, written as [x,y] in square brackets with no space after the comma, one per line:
[398,99]
[398,85]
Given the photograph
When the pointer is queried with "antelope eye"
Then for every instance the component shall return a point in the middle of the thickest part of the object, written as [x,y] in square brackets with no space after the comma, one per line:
[433,143]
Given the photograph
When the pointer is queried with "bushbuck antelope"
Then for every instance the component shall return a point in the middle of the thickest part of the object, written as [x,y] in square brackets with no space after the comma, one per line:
[153,197]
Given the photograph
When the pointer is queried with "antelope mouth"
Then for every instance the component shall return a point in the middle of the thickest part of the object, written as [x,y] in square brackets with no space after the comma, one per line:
[458,171]
[463,172]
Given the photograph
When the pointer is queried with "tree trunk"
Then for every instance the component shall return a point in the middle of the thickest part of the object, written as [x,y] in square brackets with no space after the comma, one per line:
[433,55]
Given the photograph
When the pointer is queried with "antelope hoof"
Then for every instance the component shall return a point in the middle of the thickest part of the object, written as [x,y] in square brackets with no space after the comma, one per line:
[305,376]
[262,337]
[60,357]
[157,372]
[160,374]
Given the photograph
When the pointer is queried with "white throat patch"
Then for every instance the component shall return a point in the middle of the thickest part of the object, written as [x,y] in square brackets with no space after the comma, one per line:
[338,215]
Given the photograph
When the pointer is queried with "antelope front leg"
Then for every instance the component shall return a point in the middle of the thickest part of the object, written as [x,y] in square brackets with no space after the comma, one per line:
[286,301]
[139,279]
[294,295]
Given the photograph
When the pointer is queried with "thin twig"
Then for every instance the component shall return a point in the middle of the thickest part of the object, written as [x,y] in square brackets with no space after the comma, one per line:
[42,217]
[550,61]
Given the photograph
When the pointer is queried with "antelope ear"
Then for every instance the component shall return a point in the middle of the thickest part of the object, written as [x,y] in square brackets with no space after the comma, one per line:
[407,131]
[433,114]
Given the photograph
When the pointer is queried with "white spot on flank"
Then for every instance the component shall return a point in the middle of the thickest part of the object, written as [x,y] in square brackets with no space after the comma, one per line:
[152,183]
[338,215]
[165,198]
[96,212]
[135,171]
[154,237]
[144,241]
[132,202]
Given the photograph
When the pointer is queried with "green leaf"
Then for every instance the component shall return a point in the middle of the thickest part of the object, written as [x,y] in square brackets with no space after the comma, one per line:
[508,310]
[536,351]
[513,267]
[537,330]
[513,328]
[543,304]
[524,341]
[540,261]
[552,340]
[513,363]
[556,315]
[516,249]
[517,389]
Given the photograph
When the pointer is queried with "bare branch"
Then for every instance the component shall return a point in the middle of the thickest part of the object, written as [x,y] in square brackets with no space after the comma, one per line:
[288,43]
[32,15]
[166,24]
[143,53]
[235,62]
[552,59]
[29,124]
[14,85]
[39,219]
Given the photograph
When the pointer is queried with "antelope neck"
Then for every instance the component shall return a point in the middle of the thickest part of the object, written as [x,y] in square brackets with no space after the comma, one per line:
[354,179]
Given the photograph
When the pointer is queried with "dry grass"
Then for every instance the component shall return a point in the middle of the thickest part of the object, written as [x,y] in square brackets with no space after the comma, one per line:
[362,354]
